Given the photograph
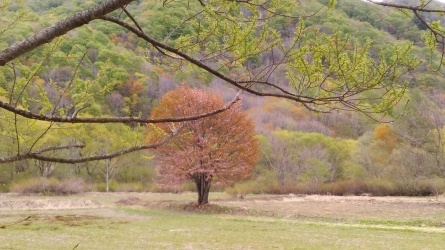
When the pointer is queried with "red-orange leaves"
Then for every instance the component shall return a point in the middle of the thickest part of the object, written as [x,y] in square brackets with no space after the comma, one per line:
[222,145]
[386,135]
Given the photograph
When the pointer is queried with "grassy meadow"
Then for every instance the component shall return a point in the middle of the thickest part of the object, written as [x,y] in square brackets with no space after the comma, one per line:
[170,221]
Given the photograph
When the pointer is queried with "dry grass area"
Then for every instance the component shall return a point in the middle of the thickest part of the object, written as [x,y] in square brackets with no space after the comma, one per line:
[283,206]
[172,221]
[345,206]
[286,206]
[422,212]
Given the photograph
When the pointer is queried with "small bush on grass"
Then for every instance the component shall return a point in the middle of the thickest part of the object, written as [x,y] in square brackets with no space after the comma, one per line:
[50,186]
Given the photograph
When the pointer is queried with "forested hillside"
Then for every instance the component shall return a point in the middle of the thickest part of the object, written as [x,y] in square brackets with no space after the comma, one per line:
[102,70]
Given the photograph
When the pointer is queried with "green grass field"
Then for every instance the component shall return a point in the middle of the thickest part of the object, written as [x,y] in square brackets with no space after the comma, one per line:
[156,221]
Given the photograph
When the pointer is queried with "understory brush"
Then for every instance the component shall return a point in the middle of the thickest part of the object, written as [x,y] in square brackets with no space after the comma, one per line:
[50,186]
[374,187]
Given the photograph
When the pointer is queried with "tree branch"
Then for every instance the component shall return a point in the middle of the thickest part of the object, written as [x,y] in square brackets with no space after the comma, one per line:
[34,116]
[60,28]
[406,7]
[143,35]
[43,150]
[100,12]
[37,155]
[29,155]
[105,156]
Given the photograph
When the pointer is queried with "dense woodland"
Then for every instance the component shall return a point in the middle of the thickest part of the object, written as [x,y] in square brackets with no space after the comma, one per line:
[103,70]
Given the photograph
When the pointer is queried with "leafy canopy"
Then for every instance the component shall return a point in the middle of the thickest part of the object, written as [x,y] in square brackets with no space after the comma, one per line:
[224,145]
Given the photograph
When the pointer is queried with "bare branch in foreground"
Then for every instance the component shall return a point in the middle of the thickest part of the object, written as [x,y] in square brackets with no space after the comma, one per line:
[34,116]
[38,156]
[43,150]
[406,7]
[28,155]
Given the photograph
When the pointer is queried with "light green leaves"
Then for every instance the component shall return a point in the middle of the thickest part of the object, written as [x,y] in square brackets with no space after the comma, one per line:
[332,3]
[332,71]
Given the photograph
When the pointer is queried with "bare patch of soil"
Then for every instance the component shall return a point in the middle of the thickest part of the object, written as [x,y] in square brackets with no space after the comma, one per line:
[188,206]
[355,206]
[216,209]
[130,201]
[342,209]
[418,212]
[44,204]
[54,220]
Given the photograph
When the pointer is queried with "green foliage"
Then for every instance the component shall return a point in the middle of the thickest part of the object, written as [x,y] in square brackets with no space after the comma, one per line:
[113,186]
[163,20]
[128,187]
[348,45]
[264,182]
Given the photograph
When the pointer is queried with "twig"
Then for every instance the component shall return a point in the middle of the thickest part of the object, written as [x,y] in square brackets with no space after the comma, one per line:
[34,116]
[14,223]
[76,246]
[38,156]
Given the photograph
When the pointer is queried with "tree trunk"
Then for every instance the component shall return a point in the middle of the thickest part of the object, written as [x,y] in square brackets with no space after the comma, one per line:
[203,182]
[107,179]
[12,171]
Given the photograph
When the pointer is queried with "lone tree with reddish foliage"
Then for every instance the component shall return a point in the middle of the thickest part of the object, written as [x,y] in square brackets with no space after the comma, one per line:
[222,147]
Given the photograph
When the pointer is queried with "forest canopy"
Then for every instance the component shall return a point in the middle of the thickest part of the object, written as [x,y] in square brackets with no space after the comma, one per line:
[311,61]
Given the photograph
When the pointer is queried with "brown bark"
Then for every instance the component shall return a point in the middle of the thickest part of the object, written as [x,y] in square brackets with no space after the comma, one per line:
[203,182]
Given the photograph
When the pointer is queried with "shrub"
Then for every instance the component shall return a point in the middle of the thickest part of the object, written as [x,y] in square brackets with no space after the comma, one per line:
[256,186]
[437,185]
[113,186]
[375,187]
[50,186]
[130,187]
[70,186]
[421,188]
